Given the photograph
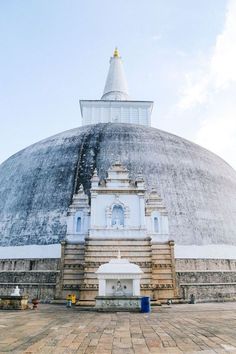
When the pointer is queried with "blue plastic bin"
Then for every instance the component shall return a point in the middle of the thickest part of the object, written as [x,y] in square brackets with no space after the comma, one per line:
[145,304]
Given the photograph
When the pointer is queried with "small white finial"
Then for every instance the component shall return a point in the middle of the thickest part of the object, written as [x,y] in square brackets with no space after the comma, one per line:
[81,189]
[95,177]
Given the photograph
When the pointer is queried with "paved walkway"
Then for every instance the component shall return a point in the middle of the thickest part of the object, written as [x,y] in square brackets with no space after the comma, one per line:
[200,328]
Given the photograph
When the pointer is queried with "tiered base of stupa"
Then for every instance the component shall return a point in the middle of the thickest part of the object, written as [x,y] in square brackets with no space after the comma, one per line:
[80,262]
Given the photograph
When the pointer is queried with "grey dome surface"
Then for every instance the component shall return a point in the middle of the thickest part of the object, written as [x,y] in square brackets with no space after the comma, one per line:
[36,184]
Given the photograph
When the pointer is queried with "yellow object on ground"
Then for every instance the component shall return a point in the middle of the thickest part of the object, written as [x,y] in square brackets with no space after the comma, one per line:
[72,298]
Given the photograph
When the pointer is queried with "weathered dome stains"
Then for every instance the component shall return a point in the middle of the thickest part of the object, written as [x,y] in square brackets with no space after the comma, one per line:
[37,183]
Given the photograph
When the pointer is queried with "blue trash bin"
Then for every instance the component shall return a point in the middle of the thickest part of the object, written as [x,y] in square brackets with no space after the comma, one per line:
[145,304]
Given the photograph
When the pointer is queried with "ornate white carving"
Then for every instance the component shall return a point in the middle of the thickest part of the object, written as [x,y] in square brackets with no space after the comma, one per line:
[120,222]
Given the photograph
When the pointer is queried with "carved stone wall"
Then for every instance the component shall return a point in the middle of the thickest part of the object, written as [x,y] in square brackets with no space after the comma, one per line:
[35,277]
[207,279]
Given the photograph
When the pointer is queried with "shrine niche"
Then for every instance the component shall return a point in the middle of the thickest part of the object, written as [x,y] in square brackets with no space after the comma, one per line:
[117,214]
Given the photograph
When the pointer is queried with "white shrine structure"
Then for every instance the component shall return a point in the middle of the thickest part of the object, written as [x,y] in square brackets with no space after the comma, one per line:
[116,105]
[121,215]
[119,277]
[119,208]
[119,285]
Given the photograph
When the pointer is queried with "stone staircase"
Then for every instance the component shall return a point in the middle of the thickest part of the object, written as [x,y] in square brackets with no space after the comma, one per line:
[80,262]
[72,269]
[163,272]
[102,251]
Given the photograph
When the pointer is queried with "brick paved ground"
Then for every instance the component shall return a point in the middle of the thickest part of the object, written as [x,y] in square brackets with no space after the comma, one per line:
[200,328]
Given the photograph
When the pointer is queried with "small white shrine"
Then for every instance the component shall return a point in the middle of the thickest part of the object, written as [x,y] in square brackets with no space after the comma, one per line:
[119,285]
[119,277]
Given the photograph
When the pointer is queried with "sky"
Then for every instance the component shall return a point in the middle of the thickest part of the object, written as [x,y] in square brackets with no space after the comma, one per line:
[179,53]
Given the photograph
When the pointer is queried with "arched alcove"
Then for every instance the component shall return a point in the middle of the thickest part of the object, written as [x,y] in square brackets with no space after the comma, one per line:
[78,224]
[117,216]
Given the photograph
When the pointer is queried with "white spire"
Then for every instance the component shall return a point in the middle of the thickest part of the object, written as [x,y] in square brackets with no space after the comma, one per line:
[115,106]
[116,86]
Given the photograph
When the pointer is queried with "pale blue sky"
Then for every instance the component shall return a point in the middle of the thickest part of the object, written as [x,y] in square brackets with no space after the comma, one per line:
[55,52]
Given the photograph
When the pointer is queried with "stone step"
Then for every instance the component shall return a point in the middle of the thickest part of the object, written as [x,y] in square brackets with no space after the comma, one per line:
[165,281]
[74,246]
[162,277]
[74,264]
[160,262]
[123,253]
[90,281]
[73,256]
[162,251]
[129,255]
[72,282]
[90,275]
[159,246]
[161,257]
[73,261]
[93,269]
[106,259]
[73,271]
[115,247]
[74,251]
[117,241]
[114,251]
[162,271]
[73,276]
[85,303]
[112,254]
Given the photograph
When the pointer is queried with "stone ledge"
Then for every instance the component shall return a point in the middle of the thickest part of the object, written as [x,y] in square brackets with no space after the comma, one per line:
[206,284]
[206,271]
[118,303]
[29,271]
[33,284]
[13,302]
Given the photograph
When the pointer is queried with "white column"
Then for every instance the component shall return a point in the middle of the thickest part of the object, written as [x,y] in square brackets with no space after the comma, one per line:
[142,210]
[102,287]
[164,224]
[136,287]
[93,210]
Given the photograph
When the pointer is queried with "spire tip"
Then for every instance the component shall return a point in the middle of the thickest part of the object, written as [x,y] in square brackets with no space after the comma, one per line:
[116,53]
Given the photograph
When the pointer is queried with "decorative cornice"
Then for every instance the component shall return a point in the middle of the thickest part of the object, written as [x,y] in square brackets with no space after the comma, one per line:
[88,286]
[97,264]
[74,266]
[80,287]
[156,286]
[161,266]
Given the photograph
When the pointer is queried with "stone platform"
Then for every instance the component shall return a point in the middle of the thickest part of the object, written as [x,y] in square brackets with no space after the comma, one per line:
[13,302]
[118,303]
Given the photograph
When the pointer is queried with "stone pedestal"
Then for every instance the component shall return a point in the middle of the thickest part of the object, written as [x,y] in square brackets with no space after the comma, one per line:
[118,303]
[13,302]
